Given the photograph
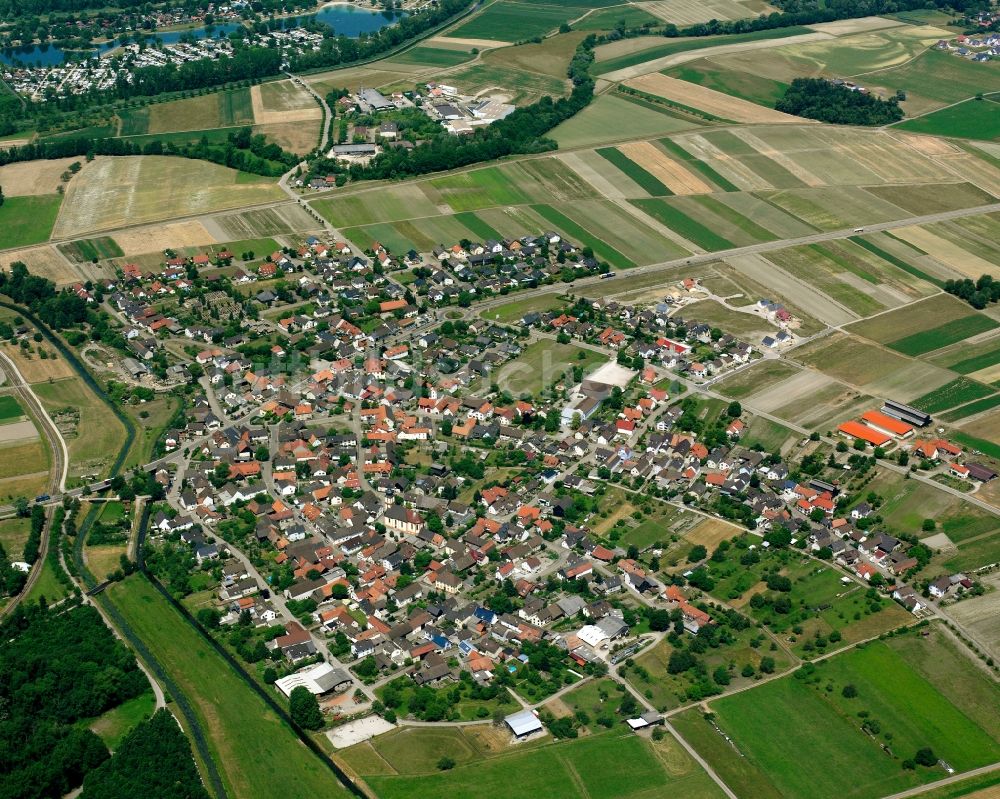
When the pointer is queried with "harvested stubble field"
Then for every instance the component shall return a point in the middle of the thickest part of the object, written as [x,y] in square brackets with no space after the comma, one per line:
[157,238]
[123,191]
[30,178]
[721,105]
[43,261]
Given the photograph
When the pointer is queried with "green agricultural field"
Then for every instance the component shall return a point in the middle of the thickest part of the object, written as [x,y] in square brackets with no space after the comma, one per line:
[915,318]
[541,363]
[972,408]
[480,188]
[560,771]
[225,109]
[382,205]
[512,22]
[943,335]
[609,18]
[27,220]
[432,57]
[472,222]
[691,229]
[617,227]
[253,748]
[10,409]
[957,392]
[968,364]
[832,756]
[96,249]
[600,122]
[684,45]
[895,260]
[973,119]
[647,182]
[745,85]
[577,234]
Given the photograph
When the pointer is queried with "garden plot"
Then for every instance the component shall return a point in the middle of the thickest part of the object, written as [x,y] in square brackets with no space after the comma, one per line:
[716,103]
[672,174]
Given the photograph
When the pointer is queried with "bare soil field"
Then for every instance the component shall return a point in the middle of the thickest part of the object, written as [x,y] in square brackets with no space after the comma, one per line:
[283,101]
[833,403]
[33,369]
[43,261]
[716,103]
[18,432]
[122,191]
[669,172]
[799,386]
[34,177]
[157,238]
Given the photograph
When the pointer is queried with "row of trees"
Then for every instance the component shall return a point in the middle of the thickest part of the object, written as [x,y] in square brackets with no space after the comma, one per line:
[241,150]
[818,98]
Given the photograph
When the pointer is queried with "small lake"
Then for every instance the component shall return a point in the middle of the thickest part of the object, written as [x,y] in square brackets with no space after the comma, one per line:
[348,20]
[345,19]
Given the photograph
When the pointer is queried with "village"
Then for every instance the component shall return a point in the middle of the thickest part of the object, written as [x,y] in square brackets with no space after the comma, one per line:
[398,498]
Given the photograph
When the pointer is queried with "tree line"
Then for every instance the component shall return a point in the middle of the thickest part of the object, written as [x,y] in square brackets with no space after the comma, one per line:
[241,150]
[818,98]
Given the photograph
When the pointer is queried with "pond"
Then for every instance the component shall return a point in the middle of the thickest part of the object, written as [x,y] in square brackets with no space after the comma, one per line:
[350,20]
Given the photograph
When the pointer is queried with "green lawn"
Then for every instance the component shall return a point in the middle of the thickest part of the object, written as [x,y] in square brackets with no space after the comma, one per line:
[973,119]
[253,748]
[691,229]
[822,750]
[10,408]
[114,724]
[649,183]
[27,220]
[943,335]
[514,311]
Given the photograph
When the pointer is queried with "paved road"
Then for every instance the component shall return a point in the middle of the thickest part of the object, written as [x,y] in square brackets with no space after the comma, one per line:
[930,786]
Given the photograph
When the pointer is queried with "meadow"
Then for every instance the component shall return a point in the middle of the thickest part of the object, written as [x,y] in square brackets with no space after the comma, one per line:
[831,755]
[96,436]
[540,364]
[252,747]
[27,220]
[973,119]
[559,771]
[10,409]
[225,109]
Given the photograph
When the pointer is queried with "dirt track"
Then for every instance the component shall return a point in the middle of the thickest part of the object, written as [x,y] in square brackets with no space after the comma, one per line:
[715,103]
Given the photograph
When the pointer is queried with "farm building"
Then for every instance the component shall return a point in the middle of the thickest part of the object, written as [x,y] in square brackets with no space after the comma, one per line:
[523,724]
[887,424]
[853,429]
[906,414]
